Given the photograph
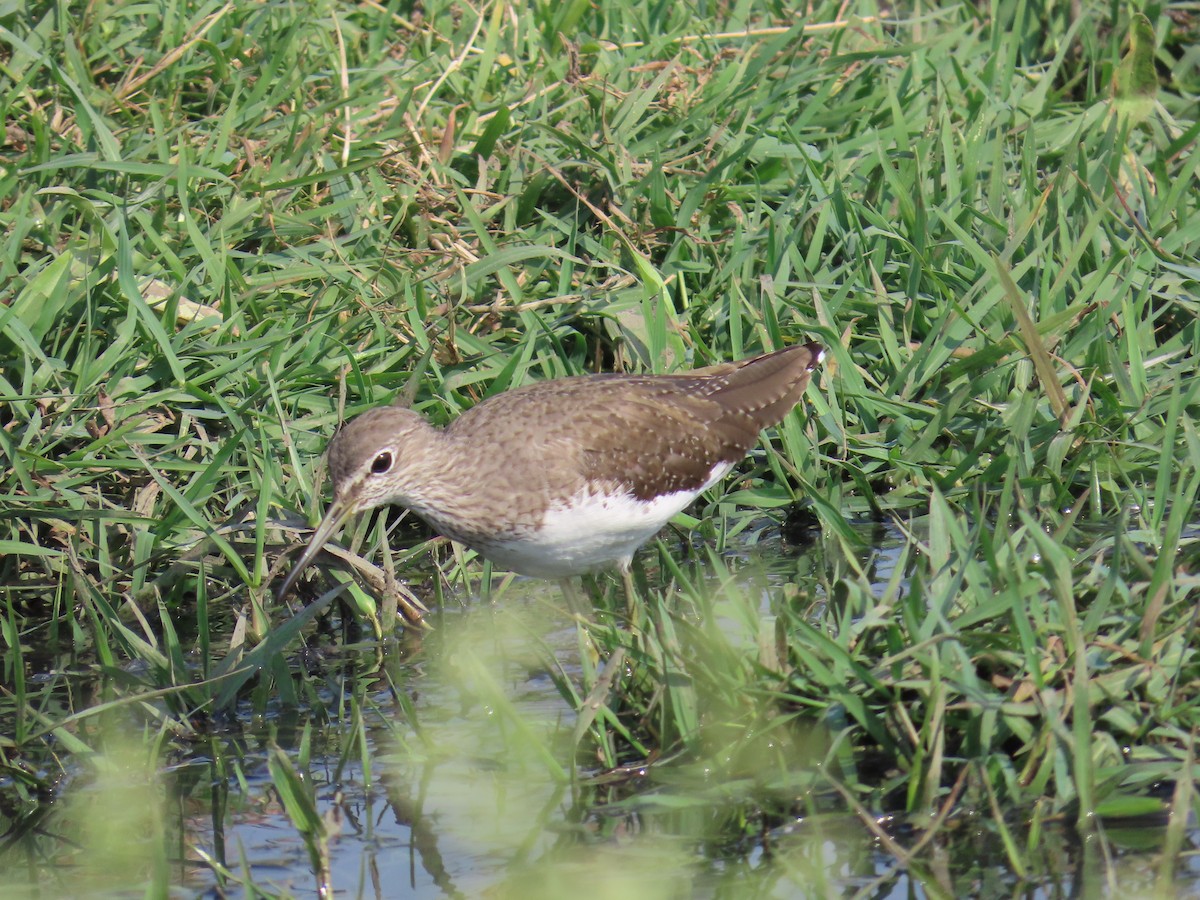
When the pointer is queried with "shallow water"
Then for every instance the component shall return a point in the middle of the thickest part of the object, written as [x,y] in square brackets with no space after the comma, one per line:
[446,768]
[464,805]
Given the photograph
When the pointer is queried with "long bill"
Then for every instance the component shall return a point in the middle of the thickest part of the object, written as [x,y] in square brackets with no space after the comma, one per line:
[337,513]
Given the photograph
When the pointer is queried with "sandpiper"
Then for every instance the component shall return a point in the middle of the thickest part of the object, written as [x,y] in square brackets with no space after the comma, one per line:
[568,476]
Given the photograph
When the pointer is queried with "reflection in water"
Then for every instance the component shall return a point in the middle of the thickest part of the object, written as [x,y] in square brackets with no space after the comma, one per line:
[451,767]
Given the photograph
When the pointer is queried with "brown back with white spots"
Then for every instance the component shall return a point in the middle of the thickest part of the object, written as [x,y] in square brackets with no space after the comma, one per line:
[650,434]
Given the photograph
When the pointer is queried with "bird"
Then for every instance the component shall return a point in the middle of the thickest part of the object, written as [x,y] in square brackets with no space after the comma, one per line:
[567,476]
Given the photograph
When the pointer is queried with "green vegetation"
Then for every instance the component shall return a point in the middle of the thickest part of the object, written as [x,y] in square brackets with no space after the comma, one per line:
[227,228]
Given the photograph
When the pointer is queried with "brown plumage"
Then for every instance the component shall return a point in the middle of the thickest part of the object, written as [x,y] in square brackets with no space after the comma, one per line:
[564,476]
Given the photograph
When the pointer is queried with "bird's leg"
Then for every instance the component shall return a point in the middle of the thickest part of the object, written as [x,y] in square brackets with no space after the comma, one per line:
[631,594]
[575,604]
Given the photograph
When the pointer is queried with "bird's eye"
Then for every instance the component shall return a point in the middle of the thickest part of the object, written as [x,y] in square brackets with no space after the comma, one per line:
[381,463]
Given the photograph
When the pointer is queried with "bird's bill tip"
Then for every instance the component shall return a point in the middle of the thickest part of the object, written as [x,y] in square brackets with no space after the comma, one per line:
[334,517]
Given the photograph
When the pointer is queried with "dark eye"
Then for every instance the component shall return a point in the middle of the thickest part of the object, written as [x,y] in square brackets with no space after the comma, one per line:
[381,463]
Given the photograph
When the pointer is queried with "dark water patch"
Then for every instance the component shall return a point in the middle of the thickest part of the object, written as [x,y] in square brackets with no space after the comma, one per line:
[452,764]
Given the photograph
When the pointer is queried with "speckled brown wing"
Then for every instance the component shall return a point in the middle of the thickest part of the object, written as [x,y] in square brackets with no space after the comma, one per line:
[672,435]
[651,433]
[664,444]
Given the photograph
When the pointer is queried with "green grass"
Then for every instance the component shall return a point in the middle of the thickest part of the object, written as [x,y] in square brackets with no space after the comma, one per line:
[226,229]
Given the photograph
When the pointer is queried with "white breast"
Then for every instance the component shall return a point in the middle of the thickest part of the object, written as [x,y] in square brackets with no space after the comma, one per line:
[590,531]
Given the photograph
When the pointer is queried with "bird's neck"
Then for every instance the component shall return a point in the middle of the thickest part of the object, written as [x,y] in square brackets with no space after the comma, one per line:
[441,478]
